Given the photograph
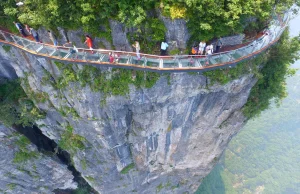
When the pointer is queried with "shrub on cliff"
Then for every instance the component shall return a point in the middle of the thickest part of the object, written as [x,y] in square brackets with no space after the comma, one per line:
[15,106]
[271,82]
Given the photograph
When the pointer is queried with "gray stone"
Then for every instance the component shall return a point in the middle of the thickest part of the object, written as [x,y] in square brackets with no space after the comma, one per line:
[42,174]
[177,33]
[120,40]
[173,133]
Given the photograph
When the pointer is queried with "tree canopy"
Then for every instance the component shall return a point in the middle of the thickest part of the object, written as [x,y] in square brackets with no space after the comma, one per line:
[206,19]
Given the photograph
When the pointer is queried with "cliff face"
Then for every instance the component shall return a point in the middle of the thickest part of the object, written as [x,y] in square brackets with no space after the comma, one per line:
[25,170]
[163,139]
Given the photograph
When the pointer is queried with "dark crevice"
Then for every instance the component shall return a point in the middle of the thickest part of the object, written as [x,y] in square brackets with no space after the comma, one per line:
[48,146]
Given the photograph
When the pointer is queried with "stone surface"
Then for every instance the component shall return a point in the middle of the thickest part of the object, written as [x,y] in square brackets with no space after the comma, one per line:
[6,69]
[173,133]
[120,40]
[177,33]
[42,174]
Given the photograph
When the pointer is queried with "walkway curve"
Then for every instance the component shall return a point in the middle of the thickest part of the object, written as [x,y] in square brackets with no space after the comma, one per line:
[177,63]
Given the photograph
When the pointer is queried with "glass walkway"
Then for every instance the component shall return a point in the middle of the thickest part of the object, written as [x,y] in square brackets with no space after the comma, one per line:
[177,63]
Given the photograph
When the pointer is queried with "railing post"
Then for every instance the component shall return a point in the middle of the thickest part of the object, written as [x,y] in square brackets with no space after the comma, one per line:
[161,63]
[3,35]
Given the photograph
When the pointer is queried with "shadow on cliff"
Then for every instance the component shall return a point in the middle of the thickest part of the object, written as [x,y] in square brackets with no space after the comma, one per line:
[212,183]
[48,146]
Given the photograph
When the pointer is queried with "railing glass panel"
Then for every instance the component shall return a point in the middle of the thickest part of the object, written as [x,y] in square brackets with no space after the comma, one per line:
[170,63]
[152,62]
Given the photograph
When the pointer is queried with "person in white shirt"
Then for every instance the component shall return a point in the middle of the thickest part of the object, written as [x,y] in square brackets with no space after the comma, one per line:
[163,48]
[202,45]
[137,49]
[209,49]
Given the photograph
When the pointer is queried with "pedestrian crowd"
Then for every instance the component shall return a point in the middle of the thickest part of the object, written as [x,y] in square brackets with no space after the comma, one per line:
[201,49]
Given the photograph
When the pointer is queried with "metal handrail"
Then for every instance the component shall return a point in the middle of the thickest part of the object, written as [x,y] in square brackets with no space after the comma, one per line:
[148,61]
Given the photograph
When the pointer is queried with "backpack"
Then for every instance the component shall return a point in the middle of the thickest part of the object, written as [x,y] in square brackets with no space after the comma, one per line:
[194,50]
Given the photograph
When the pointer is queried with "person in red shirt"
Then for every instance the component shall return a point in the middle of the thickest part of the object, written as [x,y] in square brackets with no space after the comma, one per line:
[89,42]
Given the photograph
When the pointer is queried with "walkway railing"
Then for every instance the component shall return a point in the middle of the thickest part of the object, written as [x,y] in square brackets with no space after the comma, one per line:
[177,63]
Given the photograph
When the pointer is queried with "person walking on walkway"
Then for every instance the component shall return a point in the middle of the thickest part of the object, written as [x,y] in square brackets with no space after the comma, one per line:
[72,49]
[209,51]
[34,33]
[111,57]
[202,45]
[52,38]
[219,44]
[89,42]
[20,28]
[137,49]
[163,48]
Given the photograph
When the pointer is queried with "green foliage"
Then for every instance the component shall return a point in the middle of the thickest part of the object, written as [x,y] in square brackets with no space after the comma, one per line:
[11,186]
[6,48]
[127,168]
[82,190]
[156,29]
[159,187]
[23,154]
[223,76]
[83,164]
[70,141]
[271,83]
[16,107]
[174,52]
[218,18]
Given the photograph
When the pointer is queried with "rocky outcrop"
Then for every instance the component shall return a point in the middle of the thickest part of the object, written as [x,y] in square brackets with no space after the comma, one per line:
[6,69]
[119,37]
[164,139]
[177,34]
[25,170]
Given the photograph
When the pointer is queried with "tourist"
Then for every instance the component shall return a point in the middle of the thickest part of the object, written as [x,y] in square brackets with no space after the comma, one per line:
[52,38]
[117,57]
[137,49]
[34,33]
[89,42]
[194,50]
[111,57]
[163,48]
[219,44]
[202,45]
[209,51]
[72,48]
[27,28]
[20,28]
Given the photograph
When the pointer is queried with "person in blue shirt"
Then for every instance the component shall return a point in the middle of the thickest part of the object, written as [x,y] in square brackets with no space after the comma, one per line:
[20,28]
[163,48]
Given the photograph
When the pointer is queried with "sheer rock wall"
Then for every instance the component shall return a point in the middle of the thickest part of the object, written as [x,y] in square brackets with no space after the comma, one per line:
[173,133]
[42,174]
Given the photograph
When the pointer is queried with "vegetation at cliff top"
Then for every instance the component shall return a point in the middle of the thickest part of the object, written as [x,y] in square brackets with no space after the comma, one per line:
[205,19]
[15,106]
[115,82]
[271,68]
[271,83]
